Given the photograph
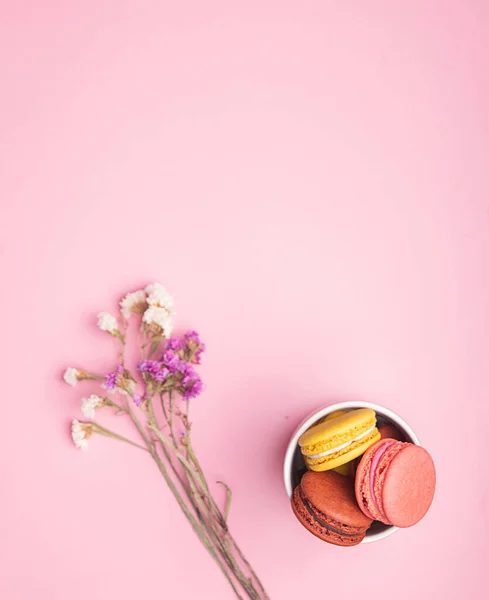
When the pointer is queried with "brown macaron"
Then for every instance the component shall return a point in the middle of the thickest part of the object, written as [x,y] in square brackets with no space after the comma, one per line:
[325,504]
[391,432]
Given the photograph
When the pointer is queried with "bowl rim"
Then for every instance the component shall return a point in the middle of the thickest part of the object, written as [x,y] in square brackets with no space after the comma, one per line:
[322,412]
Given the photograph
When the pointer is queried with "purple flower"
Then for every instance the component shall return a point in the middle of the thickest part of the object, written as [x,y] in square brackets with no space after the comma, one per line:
[189,375]
[111,378]
[137,399]
[188,347]
[148,366]
[174,343]
[182,366]
[193,346]
[171,361]
[191,382]
[162,374]
[192,335]
[155,369]
[198,354]
[194,389]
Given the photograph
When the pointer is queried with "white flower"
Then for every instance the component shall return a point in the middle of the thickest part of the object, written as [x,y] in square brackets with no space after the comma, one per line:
[80,432]
[88,405]
[134,302]
[160,310]
[71,376]
[107,322]
[158,296]
[156,315]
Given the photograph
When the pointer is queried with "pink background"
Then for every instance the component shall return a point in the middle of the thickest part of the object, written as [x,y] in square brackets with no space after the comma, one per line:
[310,181]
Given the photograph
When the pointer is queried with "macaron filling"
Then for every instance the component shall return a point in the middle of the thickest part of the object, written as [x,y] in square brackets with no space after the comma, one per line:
[375,461]
[321,522]
[343,446]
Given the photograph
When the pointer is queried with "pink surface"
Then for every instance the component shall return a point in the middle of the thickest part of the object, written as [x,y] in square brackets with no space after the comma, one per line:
[311,182]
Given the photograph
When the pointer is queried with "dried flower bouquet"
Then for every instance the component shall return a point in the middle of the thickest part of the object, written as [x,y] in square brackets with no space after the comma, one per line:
[156,399]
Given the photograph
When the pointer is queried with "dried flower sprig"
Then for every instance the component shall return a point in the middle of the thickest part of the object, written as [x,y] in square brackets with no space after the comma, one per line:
[72,376]
[160,414]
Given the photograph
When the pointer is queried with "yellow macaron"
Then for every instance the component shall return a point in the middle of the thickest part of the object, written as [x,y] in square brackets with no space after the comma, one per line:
[333,415]
[336,441]
[345,469]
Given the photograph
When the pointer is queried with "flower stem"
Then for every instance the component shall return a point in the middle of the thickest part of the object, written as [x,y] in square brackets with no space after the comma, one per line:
[108,433]
[181,480]
[229,497]
[194,523]
[231,539]
[245,582]
[210,525]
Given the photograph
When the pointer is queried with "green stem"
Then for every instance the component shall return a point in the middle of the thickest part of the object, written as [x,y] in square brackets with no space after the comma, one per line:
[193,458]
[113,404]
[222,519]
[108,433]
[163,407]
[231,539]
[181,480]
[208,495]
[187,413]
[203,483]
[229,497]
[170,417]
[213,536]
[154,346]
[90,376]
[203,536]
[245,582]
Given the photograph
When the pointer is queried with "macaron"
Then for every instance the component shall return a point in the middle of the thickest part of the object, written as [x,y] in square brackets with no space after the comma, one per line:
[332,415]
[342,469]
[386,431]
[337,441]
[395,483]
[326,506]
[389,431]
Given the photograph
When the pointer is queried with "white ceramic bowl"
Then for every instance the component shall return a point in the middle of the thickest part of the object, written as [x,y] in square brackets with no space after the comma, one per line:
[294,464]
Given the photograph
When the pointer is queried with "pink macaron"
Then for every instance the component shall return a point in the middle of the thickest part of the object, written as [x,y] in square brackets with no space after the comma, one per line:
[395,483]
